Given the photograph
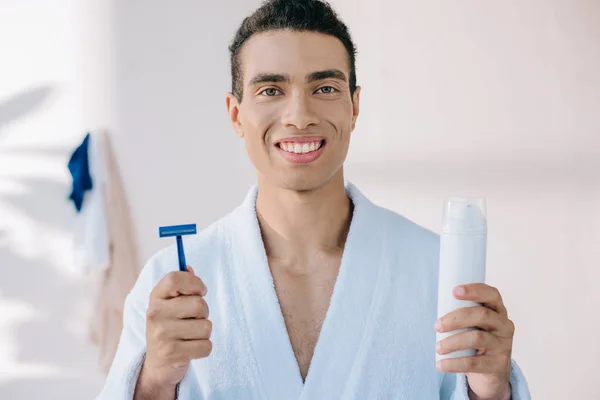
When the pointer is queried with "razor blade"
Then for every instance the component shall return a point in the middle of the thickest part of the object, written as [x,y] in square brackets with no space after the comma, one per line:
[178,231]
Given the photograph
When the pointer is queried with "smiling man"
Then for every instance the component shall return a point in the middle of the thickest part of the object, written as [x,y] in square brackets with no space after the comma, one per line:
[314,291]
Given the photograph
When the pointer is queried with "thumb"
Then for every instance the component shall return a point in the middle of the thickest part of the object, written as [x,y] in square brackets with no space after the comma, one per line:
[190,269]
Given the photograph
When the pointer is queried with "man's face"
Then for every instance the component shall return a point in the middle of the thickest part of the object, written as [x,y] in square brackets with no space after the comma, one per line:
[296,114]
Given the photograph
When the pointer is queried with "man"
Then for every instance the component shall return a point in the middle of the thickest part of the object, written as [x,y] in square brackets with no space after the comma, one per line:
[314,291]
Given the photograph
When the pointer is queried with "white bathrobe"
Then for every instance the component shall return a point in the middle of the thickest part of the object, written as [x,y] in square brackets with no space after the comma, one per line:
[376,342]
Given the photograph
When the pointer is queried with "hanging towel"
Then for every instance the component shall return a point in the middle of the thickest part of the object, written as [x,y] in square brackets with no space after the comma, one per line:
[90,238]
[109,222]
[80,173]
[376,342]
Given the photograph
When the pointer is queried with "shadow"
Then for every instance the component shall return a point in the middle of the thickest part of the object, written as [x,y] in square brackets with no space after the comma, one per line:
[22,104]
[45,201]
[54,336]
[35,282]
[51,337]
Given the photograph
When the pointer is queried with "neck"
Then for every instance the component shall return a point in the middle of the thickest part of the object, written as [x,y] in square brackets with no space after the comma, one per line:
[296,226]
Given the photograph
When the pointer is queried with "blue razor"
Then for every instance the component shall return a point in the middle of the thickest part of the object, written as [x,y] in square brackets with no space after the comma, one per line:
[178,231]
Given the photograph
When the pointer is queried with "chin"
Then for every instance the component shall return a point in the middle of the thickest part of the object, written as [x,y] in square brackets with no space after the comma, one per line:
[305,181]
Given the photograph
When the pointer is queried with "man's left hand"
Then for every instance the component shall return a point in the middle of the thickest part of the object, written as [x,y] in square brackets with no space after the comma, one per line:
[488,372]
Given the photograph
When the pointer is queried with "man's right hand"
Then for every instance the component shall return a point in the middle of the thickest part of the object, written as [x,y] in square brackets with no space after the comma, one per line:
[177,331]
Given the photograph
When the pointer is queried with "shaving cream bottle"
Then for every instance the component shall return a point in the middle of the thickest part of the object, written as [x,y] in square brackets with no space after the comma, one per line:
[462,257]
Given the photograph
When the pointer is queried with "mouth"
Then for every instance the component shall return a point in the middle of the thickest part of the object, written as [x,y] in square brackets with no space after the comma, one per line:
[301,151]
[300,147]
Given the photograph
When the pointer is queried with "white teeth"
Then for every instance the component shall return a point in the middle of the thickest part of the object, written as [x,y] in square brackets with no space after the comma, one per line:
[300,148]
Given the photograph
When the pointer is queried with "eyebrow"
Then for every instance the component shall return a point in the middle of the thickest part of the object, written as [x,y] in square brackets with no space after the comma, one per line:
[266,77]
[313,76]
[327,74]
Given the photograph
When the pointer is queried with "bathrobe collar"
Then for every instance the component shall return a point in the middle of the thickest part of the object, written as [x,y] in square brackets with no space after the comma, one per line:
[347,316]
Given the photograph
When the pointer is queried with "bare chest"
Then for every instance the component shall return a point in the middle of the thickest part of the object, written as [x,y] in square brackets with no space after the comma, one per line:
[304,300]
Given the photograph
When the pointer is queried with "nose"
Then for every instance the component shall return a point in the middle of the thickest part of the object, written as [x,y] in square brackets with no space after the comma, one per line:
[299,112]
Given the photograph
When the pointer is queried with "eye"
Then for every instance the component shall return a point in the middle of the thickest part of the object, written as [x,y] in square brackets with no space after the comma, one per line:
[270,92]
[327,89]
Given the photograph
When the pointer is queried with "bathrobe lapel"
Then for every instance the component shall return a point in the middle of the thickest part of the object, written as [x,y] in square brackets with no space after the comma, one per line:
[345,321]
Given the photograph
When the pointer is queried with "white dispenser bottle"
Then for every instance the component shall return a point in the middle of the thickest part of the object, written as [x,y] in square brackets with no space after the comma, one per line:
[463,244]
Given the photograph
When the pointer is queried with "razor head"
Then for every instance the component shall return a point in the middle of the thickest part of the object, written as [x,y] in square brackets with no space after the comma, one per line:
[177,230]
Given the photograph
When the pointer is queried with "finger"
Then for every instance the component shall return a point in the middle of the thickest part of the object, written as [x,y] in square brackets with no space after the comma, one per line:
[187,306]
[487,295]
[476,317]
[193,329]
[193,349]
[191,271]
[478,364]
[473,339]
[176,283]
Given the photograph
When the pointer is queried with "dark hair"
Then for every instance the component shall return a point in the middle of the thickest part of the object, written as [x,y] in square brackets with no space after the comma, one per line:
[296,15]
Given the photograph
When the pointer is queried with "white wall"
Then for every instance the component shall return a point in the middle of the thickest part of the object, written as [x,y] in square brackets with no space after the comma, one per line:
[499,99]
[489,98]
[179,157]
[47,78]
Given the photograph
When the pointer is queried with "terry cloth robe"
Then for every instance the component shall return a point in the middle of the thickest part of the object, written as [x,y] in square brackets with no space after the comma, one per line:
[376,342]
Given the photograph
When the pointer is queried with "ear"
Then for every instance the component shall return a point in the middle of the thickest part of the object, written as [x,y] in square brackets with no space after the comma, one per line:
[233,109]
[355,106]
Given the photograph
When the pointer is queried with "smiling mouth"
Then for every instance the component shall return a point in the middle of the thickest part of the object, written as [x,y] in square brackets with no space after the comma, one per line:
[301,147]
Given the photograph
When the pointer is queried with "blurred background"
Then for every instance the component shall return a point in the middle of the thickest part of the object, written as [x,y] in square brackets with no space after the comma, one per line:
[499,99]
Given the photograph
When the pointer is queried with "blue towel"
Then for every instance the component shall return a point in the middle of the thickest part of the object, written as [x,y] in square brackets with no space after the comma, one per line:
[79,167]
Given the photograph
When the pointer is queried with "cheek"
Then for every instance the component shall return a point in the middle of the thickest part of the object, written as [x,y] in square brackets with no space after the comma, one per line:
[257,122]
[340,116]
